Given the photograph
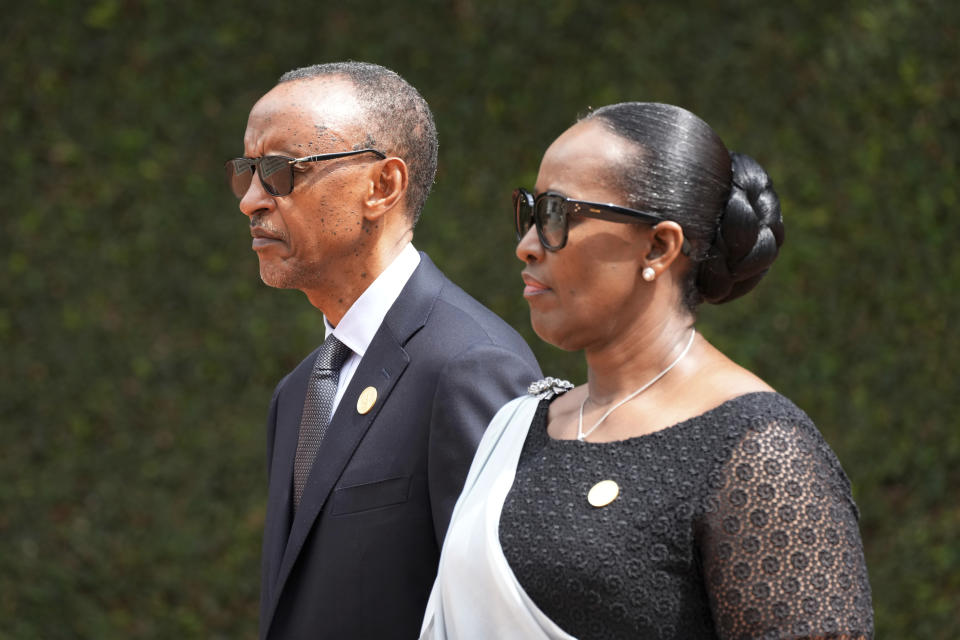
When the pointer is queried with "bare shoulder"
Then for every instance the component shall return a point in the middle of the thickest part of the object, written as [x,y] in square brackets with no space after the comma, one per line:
[568,403]
[720,379]
[563,412]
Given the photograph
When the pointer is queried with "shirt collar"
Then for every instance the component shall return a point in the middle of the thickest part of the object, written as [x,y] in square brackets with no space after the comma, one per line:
[364,317]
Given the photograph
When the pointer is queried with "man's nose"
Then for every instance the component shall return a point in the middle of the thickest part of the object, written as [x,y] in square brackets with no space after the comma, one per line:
[256,198]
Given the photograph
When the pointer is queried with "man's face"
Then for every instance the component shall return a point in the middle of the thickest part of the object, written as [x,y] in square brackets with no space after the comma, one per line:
[313,238]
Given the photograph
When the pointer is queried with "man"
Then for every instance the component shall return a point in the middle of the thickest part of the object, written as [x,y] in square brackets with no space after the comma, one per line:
[357,508]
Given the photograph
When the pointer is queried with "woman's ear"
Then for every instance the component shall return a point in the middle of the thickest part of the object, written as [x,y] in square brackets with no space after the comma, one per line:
[387,188]
[666,243]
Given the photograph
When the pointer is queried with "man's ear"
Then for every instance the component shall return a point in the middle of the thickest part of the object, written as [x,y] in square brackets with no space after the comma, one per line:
[387,187]
[666,243]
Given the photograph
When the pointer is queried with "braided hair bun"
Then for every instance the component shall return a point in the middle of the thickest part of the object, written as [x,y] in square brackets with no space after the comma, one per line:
[724,201]
[749,235]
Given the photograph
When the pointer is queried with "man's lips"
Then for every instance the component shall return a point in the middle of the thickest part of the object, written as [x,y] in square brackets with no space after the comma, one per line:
[262,237]
[533,286]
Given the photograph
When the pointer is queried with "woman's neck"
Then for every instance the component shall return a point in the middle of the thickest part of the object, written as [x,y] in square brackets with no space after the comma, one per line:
[623,365]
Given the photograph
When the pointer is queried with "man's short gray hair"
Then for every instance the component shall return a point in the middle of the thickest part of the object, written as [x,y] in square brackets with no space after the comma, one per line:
[397,119]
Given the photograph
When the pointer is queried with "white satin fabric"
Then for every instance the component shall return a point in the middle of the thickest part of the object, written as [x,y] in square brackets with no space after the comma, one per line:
[476,595]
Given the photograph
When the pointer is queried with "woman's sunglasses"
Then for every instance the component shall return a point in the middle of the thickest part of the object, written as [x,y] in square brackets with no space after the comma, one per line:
[551,212]
[276,172]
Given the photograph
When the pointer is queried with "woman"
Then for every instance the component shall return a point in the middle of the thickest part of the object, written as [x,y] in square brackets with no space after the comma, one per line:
[675,494]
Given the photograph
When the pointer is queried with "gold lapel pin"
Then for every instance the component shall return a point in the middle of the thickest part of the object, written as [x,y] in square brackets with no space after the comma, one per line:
[368,398]
[603,493]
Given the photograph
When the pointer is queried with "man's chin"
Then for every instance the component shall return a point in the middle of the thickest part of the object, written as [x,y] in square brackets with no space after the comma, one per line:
[285,278]
[275,279]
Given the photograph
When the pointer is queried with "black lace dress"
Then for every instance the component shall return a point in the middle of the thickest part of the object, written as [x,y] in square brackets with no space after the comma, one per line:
[737,523]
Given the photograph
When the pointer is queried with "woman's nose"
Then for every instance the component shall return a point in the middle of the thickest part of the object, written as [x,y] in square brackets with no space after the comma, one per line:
[529,248]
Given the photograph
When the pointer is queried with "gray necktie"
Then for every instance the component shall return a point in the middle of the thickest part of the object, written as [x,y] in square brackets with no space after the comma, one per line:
[317,409]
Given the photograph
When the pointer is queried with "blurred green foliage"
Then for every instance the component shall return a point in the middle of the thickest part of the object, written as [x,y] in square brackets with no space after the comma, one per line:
[139,348]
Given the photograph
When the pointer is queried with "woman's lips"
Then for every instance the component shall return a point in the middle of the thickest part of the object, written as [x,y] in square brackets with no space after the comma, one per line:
[533,286]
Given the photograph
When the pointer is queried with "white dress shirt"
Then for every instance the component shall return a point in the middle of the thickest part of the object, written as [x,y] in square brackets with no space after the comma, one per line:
[364,317]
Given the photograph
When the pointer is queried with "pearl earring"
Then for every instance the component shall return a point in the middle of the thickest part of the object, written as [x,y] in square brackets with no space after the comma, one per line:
[648,274]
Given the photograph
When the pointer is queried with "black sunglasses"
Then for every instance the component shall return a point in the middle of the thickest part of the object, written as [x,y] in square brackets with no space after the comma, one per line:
[551,212]
[276,172]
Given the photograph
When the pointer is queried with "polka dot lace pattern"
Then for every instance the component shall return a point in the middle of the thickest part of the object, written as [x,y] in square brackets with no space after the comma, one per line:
[736,524]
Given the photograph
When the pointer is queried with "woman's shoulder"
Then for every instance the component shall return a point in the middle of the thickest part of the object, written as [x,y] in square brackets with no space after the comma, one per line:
[766,420]
[717,386]
[759,404]
[766,432]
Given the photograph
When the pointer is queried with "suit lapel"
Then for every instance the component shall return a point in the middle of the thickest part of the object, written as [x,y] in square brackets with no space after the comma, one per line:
[381,367]
[286,424]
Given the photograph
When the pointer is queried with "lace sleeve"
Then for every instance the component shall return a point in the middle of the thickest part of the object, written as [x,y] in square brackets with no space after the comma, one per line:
[781,549]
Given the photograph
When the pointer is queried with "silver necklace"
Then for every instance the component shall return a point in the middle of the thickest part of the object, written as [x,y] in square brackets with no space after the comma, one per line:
[580,433]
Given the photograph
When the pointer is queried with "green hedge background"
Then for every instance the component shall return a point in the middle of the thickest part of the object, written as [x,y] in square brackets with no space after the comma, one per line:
[139,348]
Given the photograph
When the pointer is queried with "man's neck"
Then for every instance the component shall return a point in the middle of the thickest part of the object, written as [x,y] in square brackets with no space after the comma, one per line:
[335,303]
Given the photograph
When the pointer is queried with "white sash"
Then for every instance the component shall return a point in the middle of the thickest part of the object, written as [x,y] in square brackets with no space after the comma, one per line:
[476,596]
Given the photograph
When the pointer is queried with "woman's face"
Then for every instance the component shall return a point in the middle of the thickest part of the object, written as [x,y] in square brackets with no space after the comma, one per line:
[589,292]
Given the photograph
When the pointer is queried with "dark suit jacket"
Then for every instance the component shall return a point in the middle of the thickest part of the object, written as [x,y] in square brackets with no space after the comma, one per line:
[359,558]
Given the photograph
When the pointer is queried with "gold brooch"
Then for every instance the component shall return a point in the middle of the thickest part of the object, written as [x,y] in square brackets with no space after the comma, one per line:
[603,493]
[368,398]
